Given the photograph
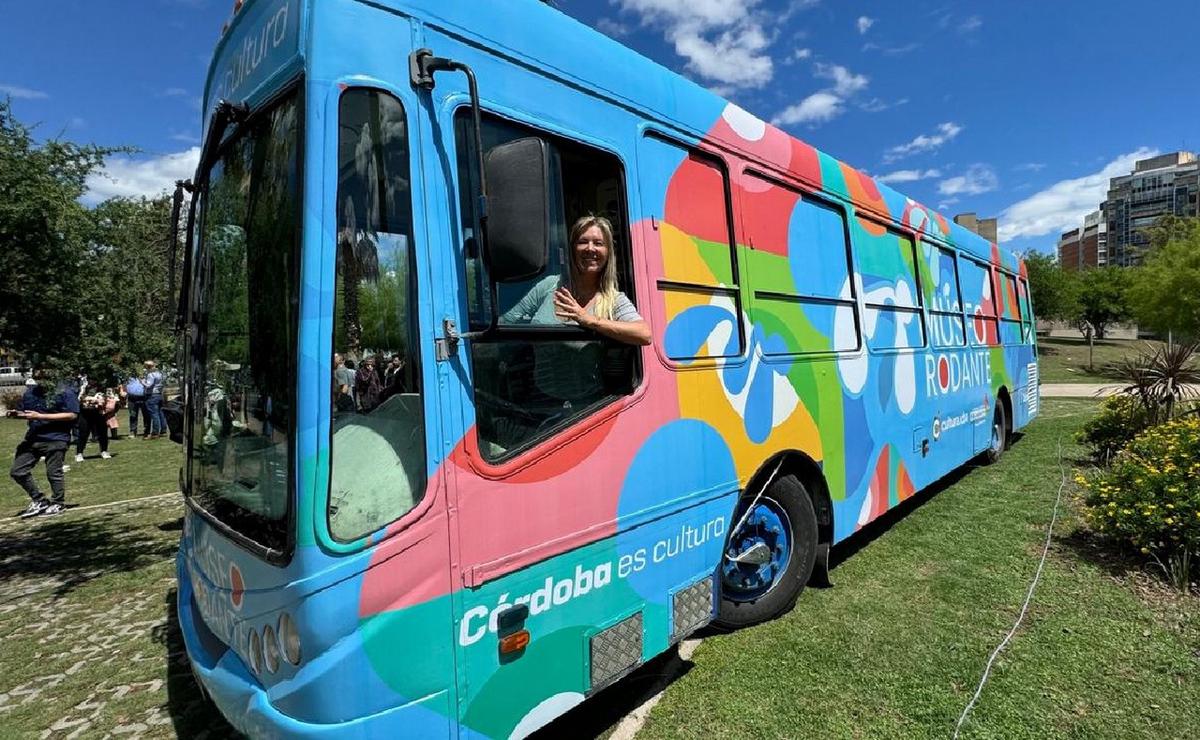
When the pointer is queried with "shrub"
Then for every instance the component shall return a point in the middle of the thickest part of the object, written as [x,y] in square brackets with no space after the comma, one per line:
[1120,419]
[1149,497]
[1162,378]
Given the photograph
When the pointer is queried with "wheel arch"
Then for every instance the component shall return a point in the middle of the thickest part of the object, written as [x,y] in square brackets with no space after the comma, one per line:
[809,473]
[1003,396]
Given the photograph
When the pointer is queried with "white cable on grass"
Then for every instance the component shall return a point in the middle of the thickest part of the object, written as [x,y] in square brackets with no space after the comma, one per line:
[1028,597]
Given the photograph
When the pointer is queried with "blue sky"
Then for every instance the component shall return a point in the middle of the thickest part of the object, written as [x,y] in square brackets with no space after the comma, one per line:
[1021,109]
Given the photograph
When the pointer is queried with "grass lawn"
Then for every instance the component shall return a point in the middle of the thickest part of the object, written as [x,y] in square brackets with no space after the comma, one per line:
[92,647]
[896,648]
[138,467]
[1065,359]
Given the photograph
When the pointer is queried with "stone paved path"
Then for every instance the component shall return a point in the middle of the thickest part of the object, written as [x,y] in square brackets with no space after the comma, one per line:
[91,644]
[1079,390]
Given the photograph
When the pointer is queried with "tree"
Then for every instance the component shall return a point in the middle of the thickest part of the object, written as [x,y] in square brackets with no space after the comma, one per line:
[1052,289]
[80,289]
[1165,293]
[1101,297]
[43,241]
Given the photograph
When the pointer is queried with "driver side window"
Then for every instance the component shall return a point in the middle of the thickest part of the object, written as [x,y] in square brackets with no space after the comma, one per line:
[535,375]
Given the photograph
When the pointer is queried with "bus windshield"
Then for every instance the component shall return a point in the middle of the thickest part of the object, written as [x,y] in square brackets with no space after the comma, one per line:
[245,321]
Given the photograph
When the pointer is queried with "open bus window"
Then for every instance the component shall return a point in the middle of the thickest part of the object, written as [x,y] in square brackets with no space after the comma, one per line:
[535,375]
[378,456]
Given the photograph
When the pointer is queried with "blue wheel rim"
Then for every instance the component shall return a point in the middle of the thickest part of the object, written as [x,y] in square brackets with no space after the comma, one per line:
[767,524]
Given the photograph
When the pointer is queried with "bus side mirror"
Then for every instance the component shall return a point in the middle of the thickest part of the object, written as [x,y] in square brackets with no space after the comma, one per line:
[518,209]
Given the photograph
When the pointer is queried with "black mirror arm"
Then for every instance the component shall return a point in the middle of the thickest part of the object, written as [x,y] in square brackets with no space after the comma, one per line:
[422,64]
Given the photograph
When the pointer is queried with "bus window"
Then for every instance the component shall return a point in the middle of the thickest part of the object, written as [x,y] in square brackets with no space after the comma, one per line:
[535,375]
[1026,309]
[1011,331]
[887,262]
[699,275]
[246,288]
[378,458]
[939,284]
[983,329]
[813,287]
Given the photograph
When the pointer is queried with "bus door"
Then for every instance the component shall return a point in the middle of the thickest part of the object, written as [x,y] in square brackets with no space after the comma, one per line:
[553,415]
[387,493]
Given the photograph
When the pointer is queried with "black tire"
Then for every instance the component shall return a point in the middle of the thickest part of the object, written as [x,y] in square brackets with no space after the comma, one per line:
[999,431]
[789,495]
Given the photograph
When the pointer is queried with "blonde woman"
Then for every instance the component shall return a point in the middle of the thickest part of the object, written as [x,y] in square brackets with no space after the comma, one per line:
[590,297]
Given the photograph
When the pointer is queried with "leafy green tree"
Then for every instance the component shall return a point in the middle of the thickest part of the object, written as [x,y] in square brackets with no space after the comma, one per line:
[43,242]
[1165,293]
[1102,298]
[80,289]
[1053,289]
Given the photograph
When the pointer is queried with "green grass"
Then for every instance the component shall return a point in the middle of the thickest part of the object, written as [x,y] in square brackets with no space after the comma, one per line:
[1065,359]
[91,642]
[896,647]
[139,467]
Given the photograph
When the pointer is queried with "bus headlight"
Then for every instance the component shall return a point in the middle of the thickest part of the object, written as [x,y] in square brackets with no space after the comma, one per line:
[270,648]
[254,648]
[289,638]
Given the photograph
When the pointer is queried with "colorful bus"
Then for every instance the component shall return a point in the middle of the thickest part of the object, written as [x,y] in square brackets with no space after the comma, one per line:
[409,514]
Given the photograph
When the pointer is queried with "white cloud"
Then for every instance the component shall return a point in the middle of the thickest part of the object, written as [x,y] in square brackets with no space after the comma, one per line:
[909,175]
[845,82]
[891,50]
[22,93]
[1063,205]
[129,177]
[863,24]
[970,25]
[875,105]
[1030,167]
[979,178]
[923,143]
[611,28]
[826,104]
[722,41]
[818,107]
[798,55]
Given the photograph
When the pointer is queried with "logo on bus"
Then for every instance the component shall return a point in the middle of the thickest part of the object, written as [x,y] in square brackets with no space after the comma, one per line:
[951,373]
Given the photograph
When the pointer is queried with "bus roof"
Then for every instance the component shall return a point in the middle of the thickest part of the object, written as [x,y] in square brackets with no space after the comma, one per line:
[626,78]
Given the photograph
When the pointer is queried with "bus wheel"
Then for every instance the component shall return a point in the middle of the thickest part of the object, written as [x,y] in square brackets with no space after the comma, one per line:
[999,439]
[770,557]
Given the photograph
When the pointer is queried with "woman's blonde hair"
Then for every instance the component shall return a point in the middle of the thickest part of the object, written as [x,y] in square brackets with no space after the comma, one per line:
[606,292]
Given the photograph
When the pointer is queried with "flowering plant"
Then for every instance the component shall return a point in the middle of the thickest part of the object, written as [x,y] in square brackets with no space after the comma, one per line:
[1150,497]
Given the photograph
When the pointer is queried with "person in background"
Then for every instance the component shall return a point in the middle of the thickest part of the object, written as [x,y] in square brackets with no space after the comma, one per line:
[153,384]
[367,386]
[112,402]
[92,423]
[51,412]
[134,393]
[343,385]
[393,378]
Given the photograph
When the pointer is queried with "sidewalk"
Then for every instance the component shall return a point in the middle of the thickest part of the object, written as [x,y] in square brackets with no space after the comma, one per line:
[1079,390]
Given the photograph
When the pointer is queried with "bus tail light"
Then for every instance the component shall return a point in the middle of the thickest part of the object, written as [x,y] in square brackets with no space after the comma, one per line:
[289,638]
